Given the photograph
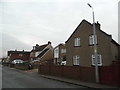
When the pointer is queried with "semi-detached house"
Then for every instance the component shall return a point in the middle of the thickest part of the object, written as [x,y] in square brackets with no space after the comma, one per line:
[43,53]
[80,47]
[60,54]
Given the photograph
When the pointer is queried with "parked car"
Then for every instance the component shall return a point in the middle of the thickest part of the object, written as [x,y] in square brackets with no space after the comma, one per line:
[35,62]
[63,63]
[17,61]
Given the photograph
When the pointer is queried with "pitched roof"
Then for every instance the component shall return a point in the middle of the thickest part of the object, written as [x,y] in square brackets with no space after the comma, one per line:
[40,48]
[114,42]
[43,52]
[85,21]
[18,52]
[59,45]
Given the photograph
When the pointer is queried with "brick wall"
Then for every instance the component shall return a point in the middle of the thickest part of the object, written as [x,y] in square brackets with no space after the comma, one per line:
[76,72]
[16,56]
[109,75]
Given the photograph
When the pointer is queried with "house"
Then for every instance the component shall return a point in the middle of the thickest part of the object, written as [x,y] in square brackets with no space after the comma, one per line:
[80,47]
[23,55]
[43,53]
[60,54]
[119,54]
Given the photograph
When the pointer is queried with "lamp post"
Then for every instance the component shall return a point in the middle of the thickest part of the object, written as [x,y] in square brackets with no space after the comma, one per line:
[95,46]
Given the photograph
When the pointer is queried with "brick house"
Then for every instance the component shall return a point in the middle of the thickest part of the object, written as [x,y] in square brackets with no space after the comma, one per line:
[119,53]
[44,53]
[80,49]
[60,54]
[23,55]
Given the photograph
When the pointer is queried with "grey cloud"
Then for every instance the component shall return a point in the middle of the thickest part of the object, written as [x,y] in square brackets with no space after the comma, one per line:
[11,43]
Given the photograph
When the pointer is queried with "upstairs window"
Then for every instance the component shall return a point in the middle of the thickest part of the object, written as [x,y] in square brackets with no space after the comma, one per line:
[91,40]
[76,60]
[77,42]
[63,50]
[99,59]
[10,55]
[56,52]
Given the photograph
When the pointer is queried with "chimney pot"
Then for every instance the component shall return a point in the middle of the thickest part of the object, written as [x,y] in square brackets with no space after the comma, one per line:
[49,42]
[98,25]
[37,45]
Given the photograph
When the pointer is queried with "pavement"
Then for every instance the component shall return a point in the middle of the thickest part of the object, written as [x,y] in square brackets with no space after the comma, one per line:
[81,83]
[75,82]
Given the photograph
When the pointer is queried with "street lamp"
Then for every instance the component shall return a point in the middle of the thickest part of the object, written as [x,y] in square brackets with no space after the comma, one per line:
[95,46]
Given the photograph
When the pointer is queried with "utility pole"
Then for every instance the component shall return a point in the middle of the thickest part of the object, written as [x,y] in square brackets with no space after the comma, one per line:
[95,46]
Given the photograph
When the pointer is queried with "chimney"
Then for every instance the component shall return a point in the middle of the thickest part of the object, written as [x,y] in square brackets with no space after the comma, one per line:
[37,45]
[49,42]
[98,25]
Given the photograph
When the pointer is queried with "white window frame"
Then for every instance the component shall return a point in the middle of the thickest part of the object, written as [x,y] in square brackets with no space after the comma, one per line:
[91,39]
[56,52]
[99,58]
[76,60]
[63,50]
[77,41]
[21,55]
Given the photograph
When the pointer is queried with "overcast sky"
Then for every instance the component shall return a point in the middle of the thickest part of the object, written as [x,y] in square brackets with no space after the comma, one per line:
[24,23]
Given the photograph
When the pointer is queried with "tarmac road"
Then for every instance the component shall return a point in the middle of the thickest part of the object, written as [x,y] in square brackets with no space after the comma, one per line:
[14,78]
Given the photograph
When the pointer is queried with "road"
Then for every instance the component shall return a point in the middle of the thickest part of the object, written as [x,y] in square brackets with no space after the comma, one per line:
[13,78]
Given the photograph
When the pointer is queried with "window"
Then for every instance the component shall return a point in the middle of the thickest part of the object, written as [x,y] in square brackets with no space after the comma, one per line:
[99,59]
[91,39]
[63,50]
[63,58]
[56,52]
[77,42]
[37,53]
[20,54]
[76,60]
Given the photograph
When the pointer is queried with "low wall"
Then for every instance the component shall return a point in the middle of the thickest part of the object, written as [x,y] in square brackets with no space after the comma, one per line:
[109,75]
[22,67]
[76,72]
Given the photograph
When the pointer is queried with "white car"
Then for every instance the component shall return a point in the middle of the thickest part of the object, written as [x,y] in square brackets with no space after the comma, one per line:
[17,61]
[63,63]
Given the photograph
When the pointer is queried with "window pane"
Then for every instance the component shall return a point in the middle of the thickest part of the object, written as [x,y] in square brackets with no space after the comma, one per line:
[99,60]
[76,60]
[91,39]
[77,41]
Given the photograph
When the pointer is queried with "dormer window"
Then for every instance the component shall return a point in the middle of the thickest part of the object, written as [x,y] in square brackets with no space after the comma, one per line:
[77,41]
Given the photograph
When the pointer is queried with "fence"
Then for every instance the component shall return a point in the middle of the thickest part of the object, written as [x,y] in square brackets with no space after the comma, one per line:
[108,74]
[76,72]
